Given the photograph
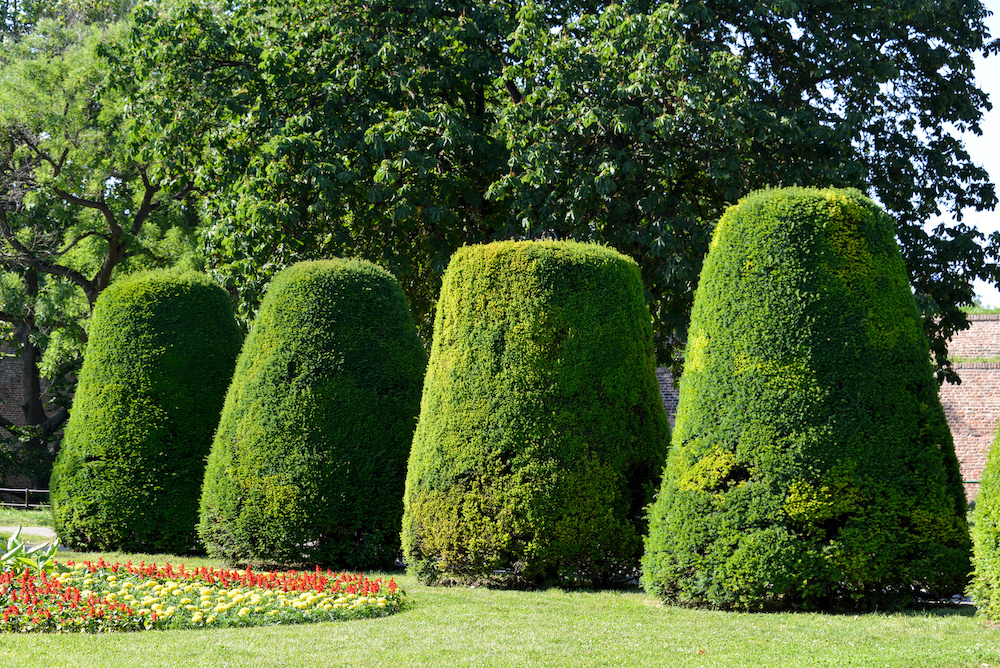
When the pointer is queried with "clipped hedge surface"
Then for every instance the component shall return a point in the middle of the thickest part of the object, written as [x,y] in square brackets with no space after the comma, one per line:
[309,461]
[985,586]
[541,431]
[161,351]
[811,463]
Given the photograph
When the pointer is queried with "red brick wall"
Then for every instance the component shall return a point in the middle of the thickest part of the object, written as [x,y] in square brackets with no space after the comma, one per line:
[972,407]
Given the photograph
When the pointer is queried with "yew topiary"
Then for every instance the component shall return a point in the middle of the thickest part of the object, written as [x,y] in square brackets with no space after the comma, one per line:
[985,586]
[811,464]
[309,460]
[161,350]
[541,431]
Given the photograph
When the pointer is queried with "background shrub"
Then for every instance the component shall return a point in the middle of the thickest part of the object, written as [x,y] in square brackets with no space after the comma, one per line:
[811,463]
[541,429]
[985,586]
[309,461]
[161,350]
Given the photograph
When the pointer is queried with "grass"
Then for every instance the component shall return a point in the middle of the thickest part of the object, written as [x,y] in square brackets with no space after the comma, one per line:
[971,360]
[480,627]
[980,309]
[26,518]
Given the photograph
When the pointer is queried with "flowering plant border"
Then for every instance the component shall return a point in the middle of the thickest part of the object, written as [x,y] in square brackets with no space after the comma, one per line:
[97,596]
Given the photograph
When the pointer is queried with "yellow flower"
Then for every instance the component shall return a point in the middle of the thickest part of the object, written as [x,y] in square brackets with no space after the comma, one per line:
[210,620]
[196,617]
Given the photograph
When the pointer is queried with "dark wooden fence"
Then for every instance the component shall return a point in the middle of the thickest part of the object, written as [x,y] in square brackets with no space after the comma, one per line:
[31,497]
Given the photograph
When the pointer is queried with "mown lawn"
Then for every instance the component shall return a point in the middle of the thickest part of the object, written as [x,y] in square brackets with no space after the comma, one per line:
[34,518]
[479,627]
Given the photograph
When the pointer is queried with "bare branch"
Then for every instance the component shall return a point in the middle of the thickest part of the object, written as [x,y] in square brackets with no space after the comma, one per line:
[79,239]
[10,426]
[52,424]
[101,206]
[515,94]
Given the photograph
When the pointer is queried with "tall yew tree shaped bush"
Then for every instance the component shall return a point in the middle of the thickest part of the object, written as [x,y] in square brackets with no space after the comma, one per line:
[985,586]
[541,430]
[811,463]
[160,354]
[309,460]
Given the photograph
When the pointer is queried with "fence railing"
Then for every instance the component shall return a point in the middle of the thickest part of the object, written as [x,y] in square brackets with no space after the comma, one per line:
[28,494]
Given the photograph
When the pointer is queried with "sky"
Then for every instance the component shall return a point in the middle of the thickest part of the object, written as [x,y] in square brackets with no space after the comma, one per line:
[985,149]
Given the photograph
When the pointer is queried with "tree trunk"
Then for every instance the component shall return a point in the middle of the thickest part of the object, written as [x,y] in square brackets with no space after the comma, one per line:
[36,447]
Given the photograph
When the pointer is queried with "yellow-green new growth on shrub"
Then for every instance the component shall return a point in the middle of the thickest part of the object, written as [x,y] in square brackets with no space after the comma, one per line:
[985,586]
[161,351]
[309,460]
[541,430]
[811,463]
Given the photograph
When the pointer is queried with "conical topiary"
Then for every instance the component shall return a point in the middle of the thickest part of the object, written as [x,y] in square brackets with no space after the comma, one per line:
[160,354]
[542,431]
[985,586]
[309,460]
[811,462]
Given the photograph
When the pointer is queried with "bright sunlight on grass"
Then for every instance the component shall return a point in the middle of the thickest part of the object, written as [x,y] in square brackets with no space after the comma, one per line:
[27,518]
[480,627]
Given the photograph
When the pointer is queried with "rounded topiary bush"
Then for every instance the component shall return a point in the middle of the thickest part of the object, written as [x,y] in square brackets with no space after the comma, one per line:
[811,463]
[309,461]
[985,586]
[541,432]
[160,354]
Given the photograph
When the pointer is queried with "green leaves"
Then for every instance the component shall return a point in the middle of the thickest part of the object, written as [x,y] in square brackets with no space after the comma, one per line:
[541,433]
[811,464]
[19,557]
[632,124]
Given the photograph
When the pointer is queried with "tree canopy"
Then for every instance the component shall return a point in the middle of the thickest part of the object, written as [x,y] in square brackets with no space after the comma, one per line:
[75,211]
[401,129]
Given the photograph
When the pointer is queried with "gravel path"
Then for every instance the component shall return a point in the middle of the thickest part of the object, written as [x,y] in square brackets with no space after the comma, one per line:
[31,531]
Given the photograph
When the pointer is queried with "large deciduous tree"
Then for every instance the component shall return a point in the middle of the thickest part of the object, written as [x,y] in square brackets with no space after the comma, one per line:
[75,211]
[399,129]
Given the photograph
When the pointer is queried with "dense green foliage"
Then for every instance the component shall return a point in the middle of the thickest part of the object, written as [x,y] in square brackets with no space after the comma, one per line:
[811,463]
[541,429]
[398,130]
[162,349]
[985,586]
[75,213]
[309,460]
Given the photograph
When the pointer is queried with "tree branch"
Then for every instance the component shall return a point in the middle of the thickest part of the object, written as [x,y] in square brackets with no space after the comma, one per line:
[78,240]
[28,259]
[103,207]
[52,423]
[515,94]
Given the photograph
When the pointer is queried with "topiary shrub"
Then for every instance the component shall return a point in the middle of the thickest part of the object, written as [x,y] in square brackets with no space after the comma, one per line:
[541,431]
[309,461]
[811,463]
[161,350]
[985,586]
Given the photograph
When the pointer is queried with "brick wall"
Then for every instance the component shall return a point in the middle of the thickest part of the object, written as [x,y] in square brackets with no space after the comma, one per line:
[972,408]
[668,393]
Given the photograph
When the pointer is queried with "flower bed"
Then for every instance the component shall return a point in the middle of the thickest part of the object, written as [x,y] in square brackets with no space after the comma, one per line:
[125,597]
